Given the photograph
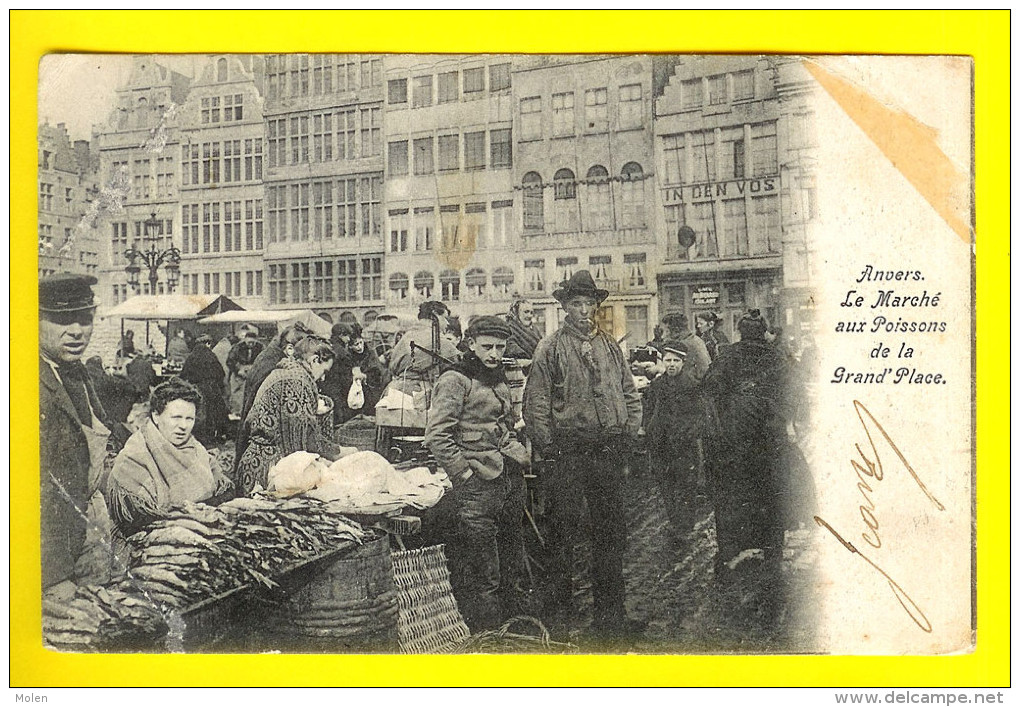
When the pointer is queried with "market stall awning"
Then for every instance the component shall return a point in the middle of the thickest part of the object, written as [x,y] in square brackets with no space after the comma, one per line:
[280,317]
[159,307]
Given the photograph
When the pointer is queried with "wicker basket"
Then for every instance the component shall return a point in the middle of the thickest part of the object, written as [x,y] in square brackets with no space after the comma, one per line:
[429,620]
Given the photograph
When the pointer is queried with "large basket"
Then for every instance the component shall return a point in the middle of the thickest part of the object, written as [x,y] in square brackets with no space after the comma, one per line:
[344,604]
[357,432]
[429,620]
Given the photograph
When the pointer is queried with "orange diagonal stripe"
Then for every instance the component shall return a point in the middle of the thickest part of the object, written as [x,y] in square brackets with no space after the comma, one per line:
[909,145]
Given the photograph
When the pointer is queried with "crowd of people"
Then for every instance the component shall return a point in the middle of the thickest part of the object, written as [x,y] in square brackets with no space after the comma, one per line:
[714,419]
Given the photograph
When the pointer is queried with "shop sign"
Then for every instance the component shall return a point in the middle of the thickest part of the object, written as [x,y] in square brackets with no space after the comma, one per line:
[704,294]
[692,193]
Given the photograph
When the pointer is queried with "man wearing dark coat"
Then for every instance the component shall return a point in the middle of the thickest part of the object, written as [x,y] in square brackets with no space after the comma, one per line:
[72,435]
[203,369]
[748,384]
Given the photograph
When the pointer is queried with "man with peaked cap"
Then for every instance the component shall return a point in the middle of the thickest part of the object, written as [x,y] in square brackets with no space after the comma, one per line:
[72,438]
[583,413]
[470,432]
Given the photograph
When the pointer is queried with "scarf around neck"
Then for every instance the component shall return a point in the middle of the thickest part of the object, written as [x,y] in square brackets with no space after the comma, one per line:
[177,473]
[472,367]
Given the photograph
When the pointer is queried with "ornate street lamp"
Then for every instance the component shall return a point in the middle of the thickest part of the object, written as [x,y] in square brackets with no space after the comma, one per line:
[152,258]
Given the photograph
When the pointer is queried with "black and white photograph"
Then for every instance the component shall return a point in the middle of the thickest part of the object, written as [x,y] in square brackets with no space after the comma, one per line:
[505,353]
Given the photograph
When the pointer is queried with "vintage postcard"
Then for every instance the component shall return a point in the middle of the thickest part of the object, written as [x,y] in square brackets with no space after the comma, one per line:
[551,353]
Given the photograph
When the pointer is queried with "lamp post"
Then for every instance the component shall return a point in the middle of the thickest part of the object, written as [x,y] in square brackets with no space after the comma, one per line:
[152,258]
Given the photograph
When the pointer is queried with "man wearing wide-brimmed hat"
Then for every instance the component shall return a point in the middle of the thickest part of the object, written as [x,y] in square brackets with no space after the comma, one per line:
[582,413]
[72,436]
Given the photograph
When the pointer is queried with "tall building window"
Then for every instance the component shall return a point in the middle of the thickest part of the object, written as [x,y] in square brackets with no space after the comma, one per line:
[732,147]
[371,206]
[562,114]
[564,202]
[189,228]
[396,92]
[499,77]
[322,137]
[347,207]
[763,146]
[766,223]
[534,206]
[276,135]
[422,92]
[449,153]
[347,279]
[531,118]
[743,85]
[631,106]
[299,211]
[717,90]
[322,209]
[398,285]
[232,232]
[371,278]
[397,163]
[371,131]
[345,133]
[118,241]
[190,162]
[424,283]
[735,227]
[398,230]
[637,322]
[632,196]
[231,161]
[502,222]
[299,139]
[474,150]
[211,163]
[424,228]
[691,93]
[534,276]
[276,206]
[449,223]
[371,73]
[596,109]
[635,267]
[423,156]
[475,222]
[322,281]
[449,87]
[474,81]
[322,74]
[449,284]
[253,224]
[702,146]
[233,108]
[599,211]
[253,159]
[500,149]
[210,110]
[564,185]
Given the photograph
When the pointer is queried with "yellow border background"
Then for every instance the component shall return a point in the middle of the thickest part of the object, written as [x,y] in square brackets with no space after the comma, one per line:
[981,34]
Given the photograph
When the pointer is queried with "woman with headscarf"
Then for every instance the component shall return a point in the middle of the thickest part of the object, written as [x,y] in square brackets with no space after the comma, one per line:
[162,464]
[524,335]
[282,419]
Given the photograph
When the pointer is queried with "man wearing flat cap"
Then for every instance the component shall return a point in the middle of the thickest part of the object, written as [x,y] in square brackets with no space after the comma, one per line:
[583,413]
[470,432]
[72,438]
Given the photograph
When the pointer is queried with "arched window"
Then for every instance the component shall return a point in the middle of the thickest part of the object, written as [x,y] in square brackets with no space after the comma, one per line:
[565,218]
[449,283]
[348,317]
[599,199]
[503,280]
[424,283]
[370,316]
[632,196]
[534,208]
[474,279]
[325,316]
[221,69]
[398,285]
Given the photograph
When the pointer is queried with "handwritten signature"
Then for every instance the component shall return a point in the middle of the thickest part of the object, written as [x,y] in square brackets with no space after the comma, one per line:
[870,470]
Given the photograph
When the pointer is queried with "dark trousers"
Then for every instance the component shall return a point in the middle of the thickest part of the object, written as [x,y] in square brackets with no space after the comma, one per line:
[589,473]
[486,550]
[676,472]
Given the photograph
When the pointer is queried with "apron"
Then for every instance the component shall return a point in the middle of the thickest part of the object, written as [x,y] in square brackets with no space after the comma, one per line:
[98,562]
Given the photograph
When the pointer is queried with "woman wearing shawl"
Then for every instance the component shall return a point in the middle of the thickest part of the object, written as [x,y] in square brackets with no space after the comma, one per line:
[163,465]
[524,335]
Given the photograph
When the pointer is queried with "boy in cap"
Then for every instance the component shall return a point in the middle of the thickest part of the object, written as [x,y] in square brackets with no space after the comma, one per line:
[673,418]
[470,432]
[583,414]
[72,437]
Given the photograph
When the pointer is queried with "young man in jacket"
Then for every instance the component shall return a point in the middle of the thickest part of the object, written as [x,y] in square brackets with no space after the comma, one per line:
[583,414]
[470,431]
